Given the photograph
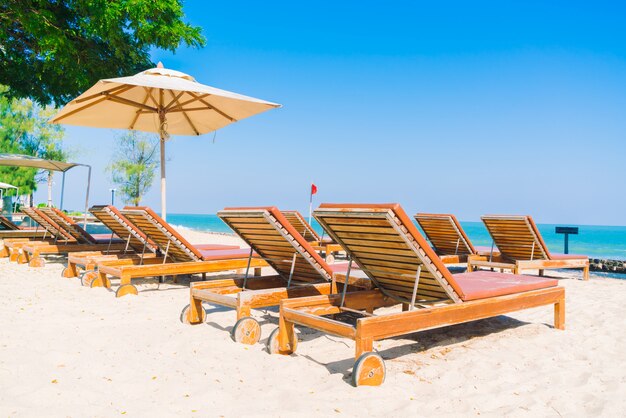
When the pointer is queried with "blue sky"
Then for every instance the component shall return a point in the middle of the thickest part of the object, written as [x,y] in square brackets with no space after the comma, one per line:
[460,107]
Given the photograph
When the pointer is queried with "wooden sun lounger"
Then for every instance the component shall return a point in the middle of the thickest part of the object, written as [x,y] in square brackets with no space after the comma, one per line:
[178,257]
[138,247]
[448,239]
[53,233]
[78,240]
[382,240]
[137,244]
[323,244]
[301,271]
[522,248]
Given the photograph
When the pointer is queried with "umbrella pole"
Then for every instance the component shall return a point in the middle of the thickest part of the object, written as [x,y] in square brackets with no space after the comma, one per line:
[62,189]
[87,196]
[162,144]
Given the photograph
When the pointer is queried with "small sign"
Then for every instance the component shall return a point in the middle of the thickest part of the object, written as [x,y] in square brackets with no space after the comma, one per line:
[567,230]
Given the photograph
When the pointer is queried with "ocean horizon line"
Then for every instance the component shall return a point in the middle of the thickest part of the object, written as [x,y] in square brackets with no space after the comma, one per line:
[460,220]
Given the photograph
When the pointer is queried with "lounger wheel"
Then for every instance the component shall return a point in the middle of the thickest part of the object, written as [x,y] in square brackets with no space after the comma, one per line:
[21,258]
[98,281]
[14,257]
[369,370]
[330,258]
[184,316]
[37,262]
[92,279]
[272,343]
[67,273]
[246,331]
[126,289]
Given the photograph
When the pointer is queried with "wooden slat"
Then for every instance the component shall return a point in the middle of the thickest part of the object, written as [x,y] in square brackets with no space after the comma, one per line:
[379,245]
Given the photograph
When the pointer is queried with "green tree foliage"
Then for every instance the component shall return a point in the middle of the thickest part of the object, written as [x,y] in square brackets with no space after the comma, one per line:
[134,165]
[53,50]
[24,130]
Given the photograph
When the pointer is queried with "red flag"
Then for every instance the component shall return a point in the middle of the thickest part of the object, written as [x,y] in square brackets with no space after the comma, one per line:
[313,189]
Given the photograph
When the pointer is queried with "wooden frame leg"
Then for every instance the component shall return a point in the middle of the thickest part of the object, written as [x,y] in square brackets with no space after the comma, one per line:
[70,271]
[363,345]
[14,255]
[286,333]
[242,311]
[257,271]
[101,280]
[586,272]
[541,271]
[559,314]
[195,309]
[23,257]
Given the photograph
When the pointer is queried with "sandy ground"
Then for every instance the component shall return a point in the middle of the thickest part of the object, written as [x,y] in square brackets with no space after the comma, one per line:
[67,350]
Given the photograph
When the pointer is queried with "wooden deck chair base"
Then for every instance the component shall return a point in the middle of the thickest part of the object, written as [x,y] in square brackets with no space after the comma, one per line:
[128,269]
[89,261]
[13,247]
[478,262]
[259,293]
[9,236]
[312,312]
[7,245]
[33,254]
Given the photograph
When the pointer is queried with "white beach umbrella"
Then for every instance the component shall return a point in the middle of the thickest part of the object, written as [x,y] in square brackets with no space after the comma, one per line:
[159,100]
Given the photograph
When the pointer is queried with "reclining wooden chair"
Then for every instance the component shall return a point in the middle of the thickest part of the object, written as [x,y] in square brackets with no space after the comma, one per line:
[136,242]
[522,248]
[78,240]
[301,271]
[383,241]
[138,246]
[448,239]
[53,234]
[323,244]
[178,257]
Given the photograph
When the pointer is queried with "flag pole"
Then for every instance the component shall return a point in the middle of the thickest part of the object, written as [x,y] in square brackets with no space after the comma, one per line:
[310,205]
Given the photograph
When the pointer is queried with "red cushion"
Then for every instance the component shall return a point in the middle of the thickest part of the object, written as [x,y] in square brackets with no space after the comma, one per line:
[216,247]
[486,284]
[567,256]
[343,267]
[226,254]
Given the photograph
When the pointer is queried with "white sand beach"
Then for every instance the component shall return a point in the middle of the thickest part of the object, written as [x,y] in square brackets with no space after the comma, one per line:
[71,351]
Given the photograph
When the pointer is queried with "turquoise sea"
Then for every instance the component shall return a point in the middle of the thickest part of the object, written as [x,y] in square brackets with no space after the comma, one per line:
[594,241]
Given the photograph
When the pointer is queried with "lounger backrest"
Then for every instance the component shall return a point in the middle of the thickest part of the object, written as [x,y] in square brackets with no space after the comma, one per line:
[517,237]
[111,217]
[71,227]
[7,224]
[167,238]
[274,238]
[445,234]
[48,224]
[387,246]
[301,225]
